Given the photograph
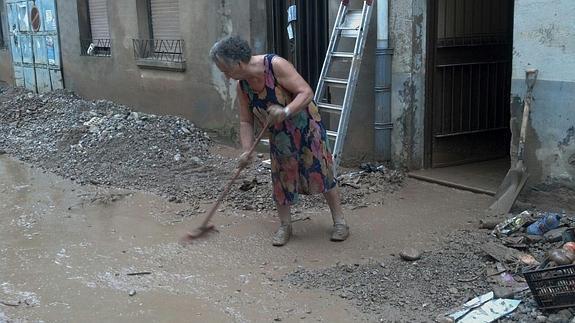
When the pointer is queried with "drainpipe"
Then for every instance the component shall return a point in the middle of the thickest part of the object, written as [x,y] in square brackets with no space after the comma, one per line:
[383,55]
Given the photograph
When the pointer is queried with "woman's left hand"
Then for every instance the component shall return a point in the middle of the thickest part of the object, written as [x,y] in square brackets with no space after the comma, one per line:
[276,113]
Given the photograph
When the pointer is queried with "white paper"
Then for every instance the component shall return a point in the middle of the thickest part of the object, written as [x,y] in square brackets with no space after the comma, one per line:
[471,304]
[290,31]
[292,13]
[491,311]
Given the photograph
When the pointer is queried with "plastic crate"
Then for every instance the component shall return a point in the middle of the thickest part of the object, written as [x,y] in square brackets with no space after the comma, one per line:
[552,288]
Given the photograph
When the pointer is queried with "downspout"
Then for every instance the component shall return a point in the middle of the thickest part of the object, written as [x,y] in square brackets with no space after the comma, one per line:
[383,56]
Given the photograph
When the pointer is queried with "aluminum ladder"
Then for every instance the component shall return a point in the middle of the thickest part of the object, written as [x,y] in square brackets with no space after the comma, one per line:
[352,24]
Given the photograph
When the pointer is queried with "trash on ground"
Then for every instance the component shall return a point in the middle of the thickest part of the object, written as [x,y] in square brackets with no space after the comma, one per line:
[512,224]
[491,311]
[547,221]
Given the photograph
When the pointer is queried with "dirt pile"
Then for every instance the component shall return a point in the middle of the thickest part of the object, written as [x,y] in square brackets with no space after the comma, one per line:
[103,143]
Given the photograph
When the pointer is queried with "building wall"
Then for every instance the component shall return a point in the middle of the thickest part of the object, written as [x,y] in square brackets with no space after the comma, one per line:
[200,93]
[6,73]
[544,38]
[408,38]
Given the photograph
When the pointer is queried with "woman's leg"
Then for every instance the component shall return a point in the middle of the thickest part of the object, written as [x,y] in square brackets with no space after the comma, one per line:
[340,229]
[332,198]
[283,234]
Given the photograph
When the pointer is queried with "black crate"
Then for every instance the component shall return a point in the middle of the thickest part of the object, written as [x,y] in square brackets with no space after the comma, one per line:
[552,288]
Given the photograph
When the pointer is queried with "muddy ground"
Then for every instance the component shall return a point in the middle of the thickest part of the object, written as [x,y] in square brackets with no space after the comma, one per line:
[91,214]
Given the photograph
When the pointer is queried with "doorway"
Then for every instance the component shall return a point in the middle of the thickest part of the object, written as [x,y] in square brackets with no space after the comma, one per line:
[34,44]
[302,41]
[468,81]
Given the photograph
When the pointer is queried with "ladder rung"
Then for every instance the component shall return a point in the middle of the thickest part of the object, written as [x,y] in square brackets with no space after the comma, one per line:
[335,81]
[330,107]
[347,28]
[331,134]
[342,54]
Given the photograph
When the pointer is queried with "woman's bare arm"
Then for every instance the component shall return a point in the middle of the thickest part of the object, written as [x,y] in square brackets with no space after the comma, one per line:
[246,120]
[289,79]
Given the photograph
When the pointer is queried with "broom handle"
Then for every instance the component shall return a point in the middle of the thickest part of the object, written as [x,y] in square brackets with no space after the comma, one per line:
[233,179]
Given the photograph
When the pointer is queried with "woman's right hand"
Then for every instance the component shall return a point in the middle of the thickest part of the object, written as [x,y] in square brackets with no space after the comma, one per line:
[245,160]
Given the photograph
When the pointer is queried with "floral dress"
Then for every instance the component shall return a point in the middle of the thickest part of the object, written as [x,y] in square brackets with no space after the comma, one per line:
[301,160]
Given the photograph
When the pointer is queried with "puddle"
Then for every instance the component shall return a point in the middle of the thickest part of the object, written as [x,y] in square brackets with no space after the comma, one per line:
[78,253]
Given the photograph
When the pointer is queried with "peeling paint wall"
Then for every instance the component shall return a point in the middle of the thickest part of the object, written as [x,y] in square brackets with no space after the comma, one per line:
[544,38]
[408,38]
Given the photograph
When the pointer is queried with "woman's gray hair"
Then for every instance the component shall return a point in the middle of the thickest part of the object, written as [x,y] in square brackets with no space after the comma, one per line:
[231,50]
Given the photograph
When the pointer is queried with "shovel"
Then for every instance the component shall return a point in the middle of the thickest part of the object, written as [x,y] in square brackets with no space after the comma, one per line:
[516,176]
[206,227]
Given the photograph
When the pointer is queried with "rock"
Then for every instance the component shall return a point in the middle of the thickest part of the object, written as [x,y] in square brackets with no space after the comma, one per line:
[557,318]
[503,292]
[2,152]
[410,254]
[541,319]
[132,293]
[566,313]
[177,157]
[444,319]
[554,235]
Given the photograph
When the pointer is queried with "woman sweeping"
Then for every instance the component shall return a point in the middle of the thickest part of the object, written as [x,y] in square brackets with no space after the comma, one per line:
[271,90]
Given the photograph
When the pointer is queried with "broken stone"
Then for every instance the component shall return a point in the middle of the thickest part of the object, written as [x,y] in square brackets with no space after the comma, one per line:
[132,293]
[410,254]
[554,235]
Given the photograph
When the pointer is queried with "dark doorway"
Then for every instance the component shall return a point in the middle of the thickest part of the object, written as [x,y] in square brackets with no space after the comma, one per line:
[469,80]
[306,50]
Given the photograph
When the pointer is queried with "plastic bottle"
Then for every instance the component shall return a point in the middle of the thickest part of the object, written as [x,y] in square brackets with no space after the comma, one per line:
[548,221]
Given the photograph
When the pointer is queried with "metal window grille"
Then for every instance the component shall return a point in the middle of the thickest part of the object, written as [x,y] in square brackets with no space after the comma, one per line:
[96,47]
[166,50]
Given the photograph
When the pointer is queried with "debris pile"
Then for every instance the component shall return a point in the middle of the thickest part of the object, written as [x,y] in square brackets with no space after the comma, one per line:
[489,268]
[103,143]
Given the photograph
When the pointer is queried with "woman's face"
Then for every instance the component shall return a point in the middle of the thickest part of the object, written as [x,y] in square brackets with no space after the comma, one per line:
[231,71]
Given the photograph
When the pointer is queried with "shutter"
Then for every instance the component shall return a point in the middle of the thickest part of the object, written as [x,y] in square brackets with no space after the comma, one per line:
[99,26]
[165,19]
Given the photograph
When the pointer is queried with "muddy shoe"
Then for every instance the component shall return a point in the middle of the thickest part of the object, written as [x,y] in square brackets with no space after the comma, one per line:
[282,235]
[340,232]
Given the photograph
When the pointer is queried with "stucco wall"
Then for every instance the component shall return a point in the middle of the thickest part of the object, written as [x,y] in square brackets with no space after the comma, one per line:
[544,38]
[200,93]
[407,35]
[6,73]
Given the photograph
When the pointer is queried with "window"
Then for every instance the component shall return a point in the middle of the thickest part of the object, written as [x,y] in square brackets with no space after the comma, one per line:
[160,44]
[94,27]
[165,19]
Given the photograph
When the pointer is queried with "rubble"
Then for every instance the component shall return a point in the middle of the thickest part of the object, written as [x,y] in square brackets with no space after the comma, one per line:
[103,143]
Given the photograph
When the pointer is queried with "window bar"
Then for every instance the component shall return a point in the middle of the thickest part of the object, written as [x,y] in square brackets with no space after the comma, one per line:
[454,19]
[470,96]
[452,108]
[461,99]
[496,98]
[487,97]
[478,96]
[443,101]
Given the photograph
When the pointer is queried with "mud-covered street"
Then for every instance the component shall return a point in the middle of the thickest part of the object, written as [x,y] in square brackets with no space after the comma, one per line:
[94,199]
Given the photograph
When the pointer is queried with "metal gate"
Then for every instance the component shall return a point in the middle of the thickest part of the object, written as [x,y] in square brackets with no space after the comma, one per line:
[34,44]
[306,44]
[469,80]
